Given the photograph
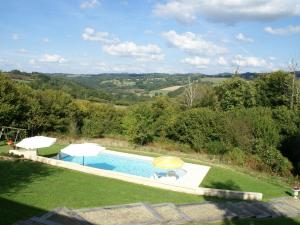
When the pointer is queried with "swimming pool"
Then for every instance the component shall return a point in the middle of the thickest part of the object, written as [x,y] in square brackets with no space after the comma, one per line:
[117,163]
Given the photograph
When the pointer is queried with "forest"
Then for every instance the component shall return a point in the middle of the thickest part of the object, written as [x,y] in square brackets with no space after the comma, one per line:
[254,122]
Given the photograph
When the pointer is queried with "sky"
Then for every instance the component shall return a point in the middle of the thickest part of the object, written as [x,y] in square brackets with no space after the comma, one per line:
[143,36]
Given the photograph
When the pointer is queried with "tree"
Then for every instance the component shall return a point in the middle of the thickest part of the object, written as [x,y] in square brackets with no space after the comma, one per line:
[189,93]
[100,119]
[138,124]
[236,93]
[58,110]
[293,65]
[13,103]
[274,89]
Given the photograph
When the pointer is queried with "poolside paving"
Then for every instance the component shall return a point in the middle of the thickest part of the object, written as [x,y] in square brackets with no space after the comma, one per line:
[169,213]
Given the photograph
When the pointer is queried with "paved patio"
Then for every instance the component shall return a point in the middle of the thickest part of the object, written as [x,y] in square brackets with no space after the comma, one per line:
[168,213]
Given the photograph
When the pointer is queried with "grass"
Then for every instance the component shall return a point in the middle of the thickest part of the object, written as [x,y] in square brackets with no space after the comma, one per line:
[32,188]
[233,180]
[221,177]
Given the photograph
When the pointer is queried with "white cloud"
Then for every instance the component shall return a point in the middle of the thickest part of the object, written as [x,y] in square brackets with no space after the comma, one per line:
[242,61]
[45,40]
[197,61]
[148,31]
[284,30]
[193,44]
[222,61]
[32,62]
[140,52]
[89,4]
[272,58]
[243,38]
[227,11]
[52,58]
[22,51]
[15,37]
[113,46]
[90,34]
[182,11]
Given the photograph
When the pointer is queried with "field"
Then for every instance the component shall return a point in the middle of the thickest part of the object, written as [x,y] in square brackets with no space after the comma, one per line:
[215,80]
[164,91]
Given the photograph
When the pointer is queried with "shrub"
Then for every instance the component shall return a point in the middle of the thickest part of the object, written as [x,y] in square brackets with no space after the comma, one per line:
[272,157]
[274,89]
[138,124]
[100,119]
[261,124]
[236,93]
[286,120]
[236,156]
[216,148]
[197,127]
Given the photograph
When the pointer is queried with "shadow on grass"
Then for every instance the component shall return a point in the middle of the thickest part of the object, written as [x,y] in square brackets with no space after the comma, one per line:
[228,185]
[17,173]
[11,211]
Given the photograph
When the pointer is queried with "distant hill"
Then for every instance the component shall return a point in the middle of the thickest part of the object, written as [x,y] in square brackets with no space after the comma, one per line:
[117,88]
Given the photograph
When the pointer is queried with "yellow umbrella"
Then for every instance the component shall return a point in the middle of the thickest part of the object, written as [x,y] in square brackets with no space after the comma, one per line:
[168,162]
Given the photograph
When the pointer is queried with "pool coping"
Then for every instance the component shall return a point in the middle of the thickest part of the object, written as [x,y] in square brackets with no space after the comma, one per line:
[31,155]
[193,178]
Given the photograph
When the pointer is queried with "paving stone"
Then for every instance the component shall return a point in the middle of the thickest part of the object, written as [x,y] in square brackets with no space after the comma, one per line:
[39,221]
[171,214]
[284,209]
[240,212]
[254,210]
[266,207]
[35,221]
[167,213]
[295,203]
[206,212]
[131,214]
[64,216]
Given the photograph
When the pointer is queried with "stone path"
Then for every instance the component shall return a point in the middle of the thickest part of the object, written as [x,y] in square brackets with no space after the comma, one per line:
[168,213]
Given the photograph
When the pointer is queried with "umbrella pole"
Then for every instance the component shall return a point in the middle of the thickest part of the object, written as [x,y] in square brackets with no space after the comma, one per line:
[83,160]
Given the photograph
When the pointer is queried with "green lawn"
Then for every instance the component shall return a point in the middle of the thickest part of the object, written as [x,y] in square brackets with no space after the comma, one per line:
[28,188]
[217,177]
[223,178]
[33,188]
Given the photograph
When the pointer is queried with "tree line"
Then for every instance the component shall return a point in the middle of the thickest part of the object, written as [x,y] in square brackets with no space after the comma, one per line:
[255,123]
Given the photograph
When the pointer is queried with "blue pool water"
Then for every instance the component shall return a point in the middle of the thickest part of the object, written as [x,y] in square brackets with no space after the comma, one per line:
[117,163]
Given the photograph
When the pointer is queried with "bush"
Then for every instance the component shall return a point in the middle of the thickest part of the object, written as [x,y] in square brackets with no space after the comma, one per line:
[198,127]
[261,124]
[216,148]
[100,119]
[274,89]
[236,156]
[272,157]
[286,120]
[236,93]
[138,124]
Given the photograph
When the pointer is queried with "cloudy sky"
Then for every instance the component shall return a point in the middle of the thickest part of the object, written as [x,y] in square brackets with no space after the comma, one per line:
[97,36]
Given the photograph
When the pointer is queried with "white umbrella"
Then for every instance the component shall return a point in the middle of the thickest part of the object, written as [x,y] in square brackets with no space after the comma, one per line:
[86,149]
[36,142]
